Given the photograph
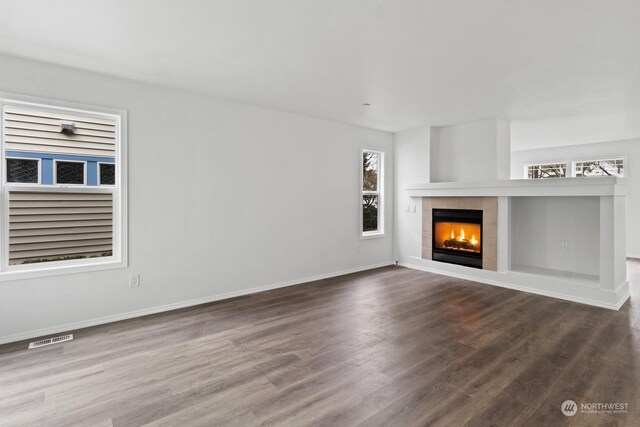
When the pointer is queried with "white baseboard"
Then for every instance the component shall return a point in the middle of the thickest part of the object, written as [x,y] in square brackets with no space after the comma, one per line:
[182,304]
[625,296]
[543,292]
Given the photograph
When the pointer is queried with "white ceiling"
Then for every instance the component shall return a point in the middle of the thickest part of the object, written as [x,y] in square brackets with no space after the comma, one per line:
[563,71]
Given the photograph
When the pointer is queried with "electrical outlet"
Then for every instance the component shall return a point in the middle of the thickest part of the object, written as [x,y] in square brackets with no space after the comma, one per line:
[564,244]
[134,280]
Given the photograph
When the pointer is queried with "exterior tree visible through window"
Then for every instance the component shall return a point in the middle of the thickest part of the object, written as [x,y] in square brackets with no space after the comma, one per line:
[372,162]
[549,170]
[600,168]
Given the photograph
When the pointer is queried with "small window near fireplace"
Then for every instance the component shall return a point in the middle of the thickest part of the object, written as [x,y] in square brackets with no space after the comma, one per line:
[372,194]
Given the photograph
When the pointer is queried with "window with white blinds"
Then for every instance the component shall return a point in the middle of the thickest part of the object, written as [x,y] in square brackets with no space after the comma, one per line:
[63,188]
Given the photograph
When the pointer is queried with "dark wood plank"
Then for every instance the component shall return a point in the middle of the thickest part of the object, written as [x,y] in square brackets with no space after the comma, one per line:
[391,346]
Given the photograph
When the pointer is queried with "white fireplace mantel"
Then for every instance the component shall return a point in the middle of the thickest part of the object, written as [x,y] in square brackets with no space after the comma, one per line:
[600,281]
[605,186]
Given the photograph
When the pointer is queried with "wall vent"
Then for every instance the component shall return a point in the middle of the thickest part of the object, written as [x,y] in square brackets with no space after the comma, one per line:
[49,341]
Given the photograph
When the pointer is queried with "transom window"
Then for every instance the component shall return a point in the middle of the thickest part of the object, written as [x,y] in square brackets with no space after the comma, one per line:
[26,171]
[578,169]
[614,167]
[107,174]
[372,195]
[70,172]
[547,170]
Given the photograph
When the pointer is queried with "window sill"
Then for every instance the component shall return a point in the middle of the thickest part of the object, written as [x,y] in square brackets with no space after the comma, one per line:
[61,267]
[372,235]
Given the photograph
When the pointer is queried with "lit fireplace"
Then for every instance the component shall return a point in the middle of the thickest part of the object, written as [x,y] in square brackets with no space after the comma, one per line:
[457,236]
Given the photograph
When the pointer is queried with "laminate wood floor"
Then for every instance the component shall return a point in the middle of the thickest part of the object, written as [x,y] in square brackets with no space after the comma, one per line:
[387,347]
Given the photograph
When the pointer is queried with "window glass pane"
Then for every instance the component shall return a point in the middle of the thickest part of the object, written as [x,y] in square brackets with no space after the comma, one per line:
[69,173]
[107,174]
[551,170]
[20,170]
[65,236]
[370,162]
[72,220]
[369,213]
[600,168]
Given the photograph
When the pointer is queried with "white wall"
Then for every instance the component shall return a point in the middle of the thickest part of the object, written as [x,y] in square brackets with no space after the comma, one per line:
[629,149]
[540,224]
[223,198]
[553,130]
[468,152]
[411,166]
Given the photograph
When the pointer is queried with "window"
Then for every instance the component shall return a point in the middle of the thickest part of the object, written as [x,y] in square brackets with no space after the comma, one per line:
[61,207]
[584,168]
[70,172]
[547,170]
[107,174]
[599,168]
[26,171]
[372,195]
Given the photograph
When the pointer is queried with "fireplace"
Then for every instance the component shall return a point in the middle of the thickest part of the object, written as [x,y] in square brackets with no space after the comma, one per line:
[457,236]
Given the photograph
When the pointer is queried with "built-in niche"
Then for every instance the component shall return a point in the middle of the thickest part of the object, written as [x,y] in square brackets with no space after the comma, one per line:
[556,236]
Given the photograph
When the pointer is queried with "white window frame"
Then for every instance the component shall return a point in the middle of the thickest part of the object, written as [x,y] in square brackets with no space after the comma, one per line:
[623,158]
[380,193]
[100,184]
[119,257]
[6,178]
[571,165]
[542,163]
[55,173]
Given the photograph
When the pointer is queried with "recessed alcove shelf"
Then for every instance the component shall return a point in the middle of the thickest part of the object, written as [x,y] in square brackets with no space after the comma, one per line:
[577,278]
[556,236]
[561,237]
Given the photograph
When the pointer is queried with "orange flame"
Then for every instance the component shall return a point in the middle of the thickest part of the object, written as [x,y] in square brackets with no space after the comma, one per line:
[468,235]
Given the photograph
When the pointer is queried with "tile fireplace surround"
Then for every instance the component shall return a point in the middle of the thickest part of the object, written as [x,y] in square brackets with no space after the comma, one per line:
[489,207]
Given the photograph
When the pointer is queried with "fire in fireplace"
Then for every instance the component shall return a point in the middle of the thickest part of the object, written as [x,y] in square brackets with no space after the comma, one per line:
[457,236]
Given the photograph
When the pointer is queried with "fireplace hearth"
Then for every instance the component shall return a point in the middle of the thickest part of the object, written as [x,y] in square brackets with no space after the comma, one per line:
[457,236]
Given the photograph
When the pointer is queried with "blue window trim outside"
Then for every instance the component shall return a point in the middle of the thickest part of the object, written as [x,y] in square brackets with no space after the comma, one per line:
[47,172]
[47,162]
[92,173]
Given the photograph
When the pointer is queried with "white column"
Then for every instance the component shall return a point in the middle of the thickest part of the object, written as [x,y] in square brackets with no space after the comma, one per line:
[613,242]
[504,238]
